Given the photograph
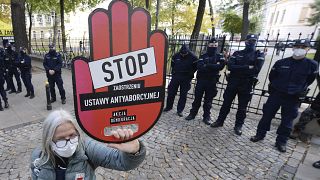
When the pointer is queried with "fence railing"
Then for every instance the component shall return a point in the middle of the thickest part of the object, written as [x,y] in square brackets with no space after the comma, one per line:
[274,50]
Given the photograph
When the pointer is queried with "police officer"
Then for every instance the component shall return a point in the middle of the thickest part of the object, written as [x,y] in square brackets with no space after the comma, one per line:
[183,66]
[11,63]
[25,69]
[244,67]
[53,64]
[208,68]
[2,80]
[289,79]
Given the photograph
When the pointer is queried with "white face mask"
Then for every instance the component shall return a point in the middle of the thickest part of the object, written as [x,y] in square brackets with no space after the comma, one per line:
[299,52]
[66,151]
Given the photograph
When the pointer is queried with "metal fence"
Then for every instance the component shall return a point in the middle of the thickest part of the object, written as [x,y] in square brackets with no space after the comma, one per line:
[274,50]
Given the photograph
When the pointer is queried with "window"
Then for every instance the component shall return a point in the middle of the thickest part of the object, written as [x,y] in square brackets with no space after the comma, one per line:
[271,19]
[41,34]
[34,34]
[39,19]
[303,15]
[275,21]
[283,14]
[48,19]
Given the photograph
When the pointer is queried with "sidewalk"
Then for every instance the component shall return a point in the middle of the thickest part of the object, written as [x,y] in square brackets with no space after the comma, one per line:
[176,149]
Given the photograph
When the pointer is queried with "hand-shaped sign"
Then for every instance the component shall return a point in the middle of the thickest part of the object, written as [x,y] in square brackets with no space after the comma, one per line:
[124,84]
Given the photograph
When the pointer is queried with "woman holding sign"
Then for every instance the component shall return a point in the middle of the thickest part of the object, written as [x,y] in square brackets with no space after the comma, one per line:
[67,154]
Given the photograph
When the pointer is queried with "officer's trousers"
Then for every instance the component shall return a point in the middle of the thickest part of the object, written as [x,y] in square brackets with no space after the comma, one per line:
[209,89]
[289,111]
[56,79]
[175,83]
[14,72]
[2,91]
[26,78]
[242,88]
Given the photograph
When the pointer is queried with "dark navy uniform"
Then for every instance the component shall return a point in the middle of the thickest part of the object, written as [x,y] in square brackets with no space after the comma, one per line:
[11,63]
[25,69]
[2,80]
[244,67]
[289,79]
[208,68]
[53,61]
[183,66]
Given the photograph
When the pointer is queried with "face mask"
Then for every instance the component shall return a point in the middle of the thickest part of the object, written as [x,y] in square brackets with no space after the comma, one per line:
[211,51]
[299,52]
[66,151]
[250,45]
[52,51]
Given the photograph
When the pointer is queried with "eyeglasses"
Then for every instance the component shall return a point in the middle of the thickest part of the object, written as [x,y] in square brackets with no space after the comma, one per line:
[63,143]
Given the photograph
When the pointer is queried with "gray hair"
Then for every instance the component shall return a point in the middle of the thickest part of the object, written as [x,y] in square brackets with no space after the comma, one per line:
[50,125]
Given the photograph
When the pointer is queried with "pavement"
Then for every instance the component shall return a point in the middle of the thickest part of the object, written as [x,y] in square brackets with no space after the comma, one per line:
[176,148]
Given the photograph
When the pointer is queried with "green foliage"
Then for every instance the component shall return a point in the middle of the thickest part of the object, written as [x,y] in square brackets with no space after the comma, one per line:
[5,11]
[232,23]
[315,18]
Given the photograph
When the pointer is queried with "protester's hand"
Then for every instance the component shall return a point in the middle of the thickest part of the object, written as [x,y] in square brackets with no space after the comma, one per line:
[251,67]
[128,147]
[114,32]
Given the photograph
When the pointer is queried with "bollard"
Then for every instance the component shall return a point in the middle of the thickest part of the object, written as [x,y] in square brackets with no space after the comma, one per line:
[49,107]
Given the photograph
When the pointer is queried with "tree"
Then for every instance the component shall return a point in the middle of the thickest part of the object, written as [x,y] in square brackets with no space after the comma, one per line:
[198,22]
[315,20]
[19,23]
[232,23]
[212,18]
[5,11]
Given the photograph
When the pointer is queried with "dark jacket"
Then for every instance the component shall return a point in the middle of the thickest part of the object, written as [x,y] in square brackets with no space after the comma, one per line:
[184,66]
[240,61]
[209,67]
[52,62]
[86,159]
[292,76]
[25,63]
[10,59]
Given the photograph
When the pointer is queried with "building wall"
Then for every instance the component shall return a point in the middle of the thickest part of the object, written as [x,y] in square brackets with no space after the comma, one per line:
[289,16]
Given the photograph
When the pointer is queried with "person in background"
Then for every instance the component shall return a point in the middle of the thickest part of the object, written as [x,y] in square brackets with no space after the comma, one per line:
[11,63]
[25,69]
[53,64]
[289,79]
[65,153]
[244,67]
[183,67]
[3,93]
[208,68]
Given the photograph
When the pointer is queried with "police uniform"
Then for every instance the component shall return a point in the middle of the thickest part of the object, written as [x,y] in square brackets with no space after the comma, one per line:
[53,61]
[25,69]
[11,63]
[289,79]
[208,68]
[183,66]
[2,80]
[244,67]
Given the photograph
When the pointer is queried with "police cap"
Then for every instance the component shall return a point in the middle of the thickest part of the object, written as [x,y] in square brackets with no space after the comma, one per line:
[302,42]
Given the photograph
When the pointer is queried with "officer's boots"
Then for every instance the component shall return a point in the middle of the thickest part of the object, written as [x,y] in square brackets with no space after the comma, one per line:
[19,90]
[238,130]
[6,104]
[31,95]
[190,117]
[27,95]
[216,124]
[1,108]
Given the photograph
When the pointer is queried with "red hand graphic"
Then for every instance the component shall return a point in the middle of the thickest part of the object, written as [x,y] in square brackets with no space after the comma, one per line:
[117,31]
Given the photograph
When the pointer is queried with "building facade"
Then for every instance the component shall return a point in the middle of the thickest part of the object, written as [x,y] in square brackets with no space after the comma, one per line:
[289,16]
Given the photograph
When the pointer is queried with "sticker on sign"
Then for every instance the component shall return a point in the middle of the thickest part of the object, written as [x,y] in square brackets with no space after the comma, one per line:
[124,67]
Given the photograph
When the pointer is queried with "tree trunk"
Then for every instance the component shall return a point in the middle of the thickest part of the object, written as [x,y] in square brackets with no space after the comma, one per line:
[173,10]
[212,18]
[245,20]
[55,29]
[29,9]
[63,33]
[200,13]
[157,14]
[147,4]
[19,23]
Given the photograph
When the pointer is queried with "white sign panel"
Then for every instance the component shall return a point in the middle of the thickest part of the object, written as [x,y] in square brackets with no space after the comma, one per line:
[124,67]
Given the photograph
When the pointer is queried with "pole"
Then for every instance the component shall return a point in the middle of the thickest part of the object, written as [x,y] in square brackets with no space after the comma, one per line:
[49,107]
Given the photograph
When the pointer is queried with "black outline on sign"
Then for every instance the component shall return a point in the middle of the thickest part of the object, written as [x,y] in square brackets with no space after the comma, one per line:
[149,34]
